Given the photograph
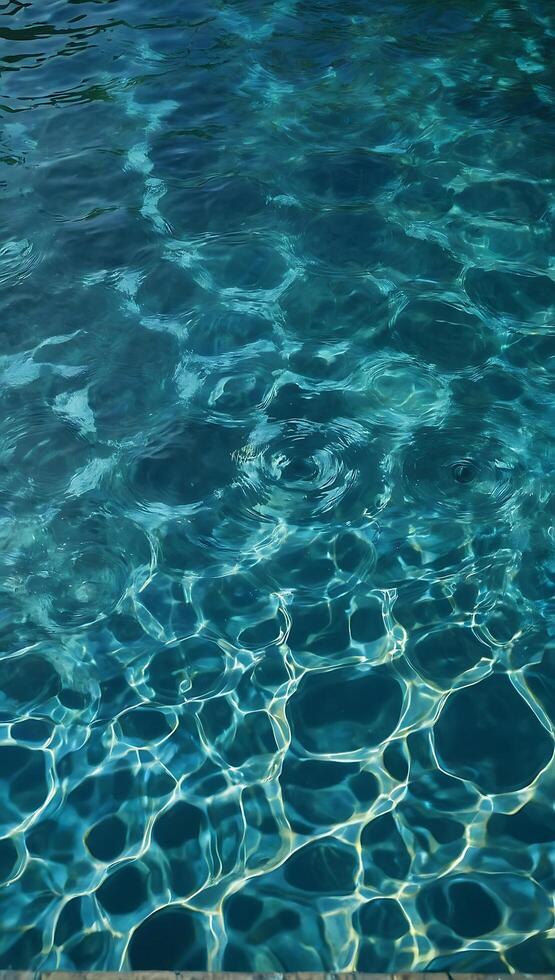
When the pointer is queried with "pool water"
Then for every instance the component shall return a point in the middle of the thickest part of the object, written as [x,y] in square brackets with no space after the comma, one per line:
[277,510]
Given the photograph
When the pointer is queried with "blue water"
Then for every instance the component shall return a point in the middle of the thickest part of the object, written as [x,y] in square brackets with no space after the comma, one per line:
[277,511]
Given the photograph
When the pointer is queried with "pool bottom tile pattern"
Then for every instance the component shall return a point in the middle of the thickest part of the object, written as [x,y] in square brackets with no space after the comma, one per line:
[277,512]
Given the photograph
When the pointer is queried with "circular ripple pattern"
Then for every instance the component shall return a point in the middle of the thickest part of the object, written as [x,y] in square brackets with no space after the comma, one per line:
[471,474]
[277,513]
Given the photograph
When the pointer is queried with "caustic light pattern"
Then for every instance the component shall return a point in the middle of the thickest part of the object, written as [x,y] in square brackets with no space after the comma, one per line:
[277,512]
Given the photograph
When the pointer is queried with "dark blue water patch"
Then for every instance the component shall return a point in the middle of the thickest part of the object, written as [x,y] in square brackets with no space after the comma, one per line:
[497,720]
[277,328]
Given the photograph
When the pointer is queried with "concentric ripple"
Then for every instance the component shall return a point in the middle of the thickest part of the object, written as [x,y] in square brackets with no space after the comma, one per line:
[482,479]
[305,473]
[277,512]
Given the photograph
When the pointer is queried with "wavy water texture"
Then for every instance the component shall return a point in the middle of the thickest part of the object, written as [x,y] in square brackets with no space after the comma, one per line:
[277,513]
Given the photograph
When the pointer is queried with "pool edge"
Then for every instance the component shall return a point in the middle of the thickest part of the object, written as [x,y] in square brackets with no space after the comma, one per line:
[226,975]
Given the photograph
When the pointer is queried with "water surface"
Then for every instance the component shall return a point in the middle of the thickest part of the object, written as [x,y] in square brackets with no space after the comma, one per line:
[277,512]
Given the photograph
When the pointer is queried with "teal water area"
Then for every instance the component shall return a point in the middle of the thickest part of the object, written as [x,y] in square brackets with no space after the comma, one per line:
[277,509]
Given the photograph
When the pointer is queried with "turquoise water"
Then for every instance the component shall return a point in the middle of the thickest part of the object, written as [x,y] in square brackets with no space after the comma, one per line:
[277,511]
